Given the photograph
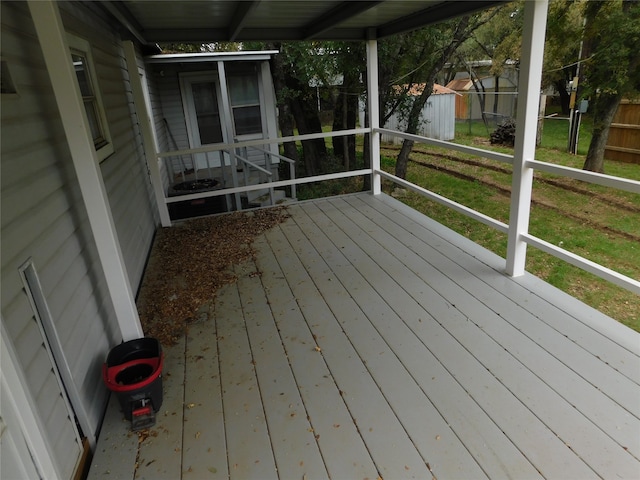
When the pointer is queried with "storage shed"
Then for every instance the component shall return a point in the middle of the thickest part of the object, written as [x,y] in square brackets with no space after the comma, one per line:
[437,119]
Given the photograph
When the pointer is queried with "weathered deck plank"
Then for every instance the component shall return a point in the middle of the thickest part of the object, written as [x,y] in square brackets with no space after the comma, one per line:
[342,449]
[377,422]
[204,449]
[571,384]
[522,428]
[292,437]
[117,449]
[249,449]
[366,340]
[579,393]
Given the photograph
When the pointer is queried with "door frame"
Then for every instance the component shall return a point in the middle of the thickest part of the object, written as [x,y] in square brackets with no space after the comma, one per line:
[187,79]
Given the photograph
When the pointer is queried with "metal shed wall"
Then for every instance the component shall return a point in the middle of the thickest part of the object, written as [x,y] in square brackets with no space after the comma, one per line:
[436,121]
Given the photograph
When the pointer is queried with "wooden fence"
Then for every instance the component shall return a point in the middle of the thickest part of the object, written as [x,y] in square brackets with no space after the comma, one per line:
[624,136]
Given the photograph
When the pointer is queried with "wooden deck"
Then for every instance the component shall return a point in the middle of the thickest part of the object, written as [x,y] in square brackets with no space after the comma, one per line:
[368,341]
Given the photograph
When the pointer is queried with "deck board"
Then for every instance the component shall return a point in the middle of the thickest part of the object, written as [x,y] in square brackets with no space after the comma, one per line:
[372,415]
[248,443]
[204,443]
[291,434]
[595,368]
[160,455]
[367,341]
[488,391]
[338,439]
[578,391]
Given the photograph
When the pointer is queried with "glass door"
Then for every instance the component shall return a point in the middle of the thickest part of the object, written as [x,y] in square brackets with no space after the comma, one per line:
[204,118]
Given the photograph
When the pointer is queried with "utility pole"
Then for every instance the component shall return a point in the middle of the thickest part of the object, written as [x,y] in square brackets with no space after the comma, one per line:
[575,114]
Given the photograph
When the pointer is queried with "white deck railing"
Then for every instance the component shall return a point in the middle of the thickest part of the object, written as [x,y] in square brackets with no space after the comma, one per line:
[582,175]
[623,184]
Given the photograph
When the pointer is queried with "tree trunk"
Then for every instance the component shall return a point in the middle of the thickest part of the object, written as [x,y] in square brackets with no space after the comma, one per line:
[412,127]
[285,117]
[603,112]
[345,116]
[306,115]
[564,96]
[403,159]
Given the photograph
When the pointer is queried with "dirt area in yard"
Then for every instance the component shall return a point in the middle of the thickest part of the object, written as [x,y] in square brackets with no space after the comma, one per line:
[190,261]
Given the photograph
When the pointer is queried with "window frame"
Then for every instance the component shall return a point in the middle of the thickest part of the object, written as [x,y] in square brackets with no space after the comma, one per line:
[244,106]
[81,47]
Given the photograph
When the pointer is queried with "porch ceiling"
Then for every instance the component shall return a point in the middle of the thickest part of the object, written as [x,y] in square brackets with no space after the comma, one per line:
[281,20]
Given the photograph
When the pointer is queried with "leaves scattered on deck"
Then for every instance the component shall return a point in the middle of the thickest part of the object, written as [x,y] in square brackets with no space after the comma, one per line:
[190,262]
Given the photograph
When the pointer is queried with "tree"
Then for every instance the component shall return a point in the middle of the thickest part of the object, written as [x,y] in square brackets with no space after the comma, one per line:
[501,40]
[349,64]
[612,44]
[562,48]
[435,46]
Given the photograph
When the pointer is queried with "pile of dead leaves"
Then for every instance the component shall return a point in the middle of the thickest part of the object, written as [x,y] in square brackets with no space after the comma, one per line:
[190,262]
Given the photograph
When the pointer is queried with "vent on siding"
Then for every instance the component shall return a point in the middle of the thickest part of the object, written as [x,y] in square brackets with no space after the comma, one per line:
[43,374]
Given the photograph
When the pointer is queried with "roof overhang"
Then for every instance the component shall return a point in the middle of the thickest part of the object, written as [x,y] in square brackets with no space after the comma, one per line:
[158,21]
[211,57]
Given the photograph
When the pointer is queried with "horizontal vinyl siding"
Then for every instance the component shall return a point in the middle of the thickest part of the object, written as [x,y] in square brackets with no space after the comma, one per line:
[124,172]
[166,77]
[43,216]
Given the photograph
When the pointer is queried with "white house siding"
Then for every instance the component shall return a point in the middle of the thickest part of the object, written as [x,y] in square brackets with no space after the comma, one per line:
[124,172]
[168,117]
[43,218]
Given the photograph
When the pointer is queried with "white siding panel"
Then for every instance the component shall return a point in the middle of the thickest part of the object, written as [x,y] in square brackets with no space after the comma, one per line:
[132,207]
[43,218]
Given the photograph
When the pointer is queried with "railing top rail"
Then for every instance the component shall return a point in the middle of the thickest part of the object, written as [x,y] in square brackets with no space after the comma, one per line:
[500,157]
[262,141]
[620,183]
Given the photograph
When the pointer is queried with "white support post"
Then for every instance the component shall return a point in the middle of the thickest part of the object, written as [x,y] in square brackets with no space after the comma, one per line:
[148,140]
[51,35]
[228,119]
[374,113]
[535,22]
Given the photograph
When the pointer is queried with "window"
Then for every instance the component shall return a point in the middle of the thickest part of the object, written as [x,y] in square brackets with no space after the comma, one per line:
[87,81]
[245,103]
